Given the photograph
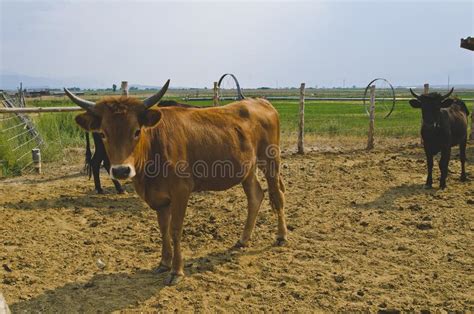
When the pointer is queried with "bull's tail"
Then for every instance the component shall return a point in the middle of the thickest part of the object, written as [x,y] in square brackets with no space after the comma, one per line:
[87,164]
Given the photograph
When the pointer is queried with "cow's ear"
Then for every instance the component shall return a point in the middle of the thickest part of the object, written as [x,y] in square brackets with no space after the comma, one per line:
[415,103]
[447,102]
[88,121]
[150,117]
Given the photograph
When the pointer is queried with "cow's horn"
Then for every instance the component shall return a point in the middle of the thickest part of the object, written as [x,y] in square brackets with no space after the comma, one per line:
[413,93]
[152,100]
[86,104]
[449,93]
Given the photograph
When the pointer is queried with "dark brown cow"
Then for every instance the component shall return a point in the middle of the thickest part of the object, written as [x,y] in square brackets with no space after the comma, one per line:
[171,152]
[444,126]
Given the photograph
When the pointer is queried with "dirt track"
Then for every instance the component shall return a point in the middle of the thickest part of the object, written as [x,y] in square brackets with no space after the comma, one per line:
[364,235]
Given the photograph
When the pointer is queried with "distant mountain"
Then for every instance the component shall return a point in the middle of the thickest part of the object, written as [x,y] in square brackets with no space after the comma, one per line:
[12,82]
[140,86]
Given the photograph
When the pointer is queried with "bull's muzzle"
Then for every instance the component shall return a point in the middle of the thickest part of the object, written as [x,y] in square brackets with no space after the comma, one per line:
[122,172]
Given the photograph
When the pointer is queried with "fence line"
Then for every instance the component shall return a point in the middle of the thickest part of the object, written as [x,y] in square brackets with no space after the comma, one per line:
[294,122]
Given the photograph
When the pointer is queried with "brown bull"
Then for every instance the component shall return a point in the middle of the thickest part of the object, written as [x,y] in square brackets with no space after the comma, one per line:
[171,152]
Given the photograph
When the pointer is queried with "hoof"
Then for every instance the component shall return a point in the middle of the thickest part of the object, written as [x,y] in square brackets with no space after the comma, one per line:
[121,192]
[173,279]
[240,245]
[463,178]
[281,242]
[162,269]
[100,191]
[427,187]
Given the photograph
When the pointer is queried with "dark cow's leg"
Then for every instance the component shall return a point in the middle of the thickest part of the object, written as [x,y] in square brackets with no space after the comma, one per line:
[95,165]
[96,161]
[462,156]
[429,177]
[117,184]
[443,166]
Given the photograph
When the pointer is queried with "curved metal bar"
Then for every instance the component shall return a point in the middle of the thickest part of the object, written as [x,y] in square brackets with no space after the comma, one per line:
[393,95]
[240,95]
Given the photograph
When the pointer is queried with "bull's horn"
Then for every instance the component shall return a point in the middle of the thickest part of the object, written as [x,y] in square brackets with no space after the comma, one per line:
[152,100]
[449,94]
[86,104]
[413,93]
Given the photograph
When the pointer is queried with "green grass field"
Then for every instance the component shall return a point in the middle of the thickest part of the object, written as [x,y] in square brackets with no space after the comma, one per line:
[322,118]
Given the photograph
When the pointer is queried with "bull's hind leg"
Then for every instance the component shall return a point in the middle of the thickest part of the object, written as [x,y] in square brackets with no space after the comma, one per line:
[462,156]
[254,193]
[276,190]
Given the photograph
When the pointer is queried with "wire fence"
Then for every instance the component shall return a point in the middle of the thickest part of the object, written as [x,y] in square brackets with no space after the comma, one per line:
[329,125]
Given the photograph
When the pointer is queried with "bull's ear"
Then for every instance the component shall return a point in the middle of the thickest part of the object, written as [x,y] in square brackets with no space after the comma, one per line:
[447,102]
[150,117]
[88,121]
[415,103]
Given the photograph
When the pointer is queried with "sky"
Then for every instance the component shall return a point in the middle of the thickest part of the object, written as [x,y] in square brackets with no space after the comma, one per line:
[264,43]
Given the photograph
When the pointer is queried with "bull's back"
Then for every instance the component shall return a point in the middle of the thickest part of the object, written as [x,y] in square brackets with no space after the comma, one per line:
[221,144]
[458,123]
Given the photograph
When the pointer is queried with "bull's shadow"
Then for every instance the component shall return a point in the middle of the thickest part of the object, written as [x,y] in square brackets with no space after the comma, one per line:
[388,199]
[112,292]
[101,203]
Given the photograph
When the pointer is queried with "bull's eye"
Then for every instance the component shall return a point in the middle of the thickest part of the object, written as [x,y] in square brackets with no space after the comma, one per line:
[137,133]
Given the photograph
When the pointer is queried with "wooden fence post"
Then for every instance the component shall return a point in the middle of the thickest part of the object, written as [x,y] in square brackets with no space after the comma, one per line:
[124,88]
[301,121]
[36,155]
[370,141]
[216,95]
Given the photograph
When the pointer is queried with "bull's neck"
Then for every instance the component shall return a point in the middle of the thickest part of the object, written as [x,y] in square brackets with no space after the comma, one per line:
[150,154]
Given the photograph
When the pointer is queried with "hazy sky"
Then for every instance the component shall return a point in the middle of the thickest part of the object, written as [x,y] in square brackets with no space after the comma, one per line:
[264,43]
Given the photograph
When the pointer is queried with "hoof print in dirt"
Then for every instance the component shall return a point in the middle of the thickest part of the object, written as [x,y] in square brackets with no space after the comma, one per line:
[173,279]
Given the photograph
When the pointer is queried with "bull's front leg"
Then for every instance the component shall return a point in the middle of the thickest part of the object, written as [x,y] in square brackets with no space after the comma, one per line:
[429,165]
[164,218]
[178,206]
[443,167]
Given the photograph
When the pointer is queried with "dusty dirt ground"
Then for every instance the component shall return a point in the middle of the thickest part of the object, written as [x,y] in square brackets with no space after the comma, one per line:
[364,235]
